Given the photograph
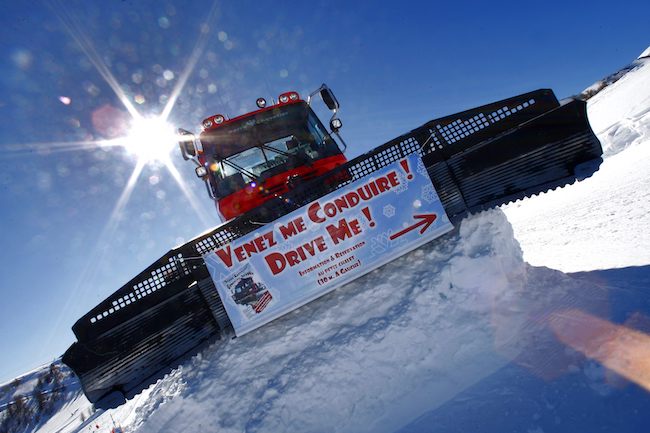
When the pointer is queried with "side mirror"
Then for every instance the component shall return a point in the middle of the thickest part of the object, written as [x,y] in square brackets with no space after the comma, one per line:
[328,98]
[187,145]
[335,124]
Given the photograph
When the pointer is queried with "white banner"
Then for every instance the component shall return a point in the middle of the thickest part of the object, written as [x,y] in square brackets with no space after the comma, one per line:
[327,243]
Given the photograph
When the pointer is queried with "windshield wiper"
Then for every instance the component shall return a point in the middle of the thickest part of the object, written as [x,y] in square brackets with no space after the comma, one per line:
[241,169]
[278,151]
[302,158]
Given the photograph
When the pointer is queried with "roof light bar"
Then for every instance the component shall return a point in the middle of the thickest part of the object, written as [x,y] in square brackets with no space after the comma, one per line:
[288,96]
[213,121]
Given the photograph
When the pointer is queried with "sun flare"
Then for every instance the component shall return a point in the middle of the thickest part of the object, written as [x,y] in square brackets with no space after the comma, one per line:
[150,139]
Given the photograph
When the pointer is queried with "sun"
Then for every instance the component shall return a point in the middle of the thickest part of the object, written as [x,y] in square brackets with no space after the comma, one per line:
[150,139]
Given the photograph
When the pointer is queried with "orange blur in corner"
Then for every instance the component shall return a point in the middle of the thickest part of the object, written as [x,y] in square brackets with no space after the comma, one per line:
[621,349]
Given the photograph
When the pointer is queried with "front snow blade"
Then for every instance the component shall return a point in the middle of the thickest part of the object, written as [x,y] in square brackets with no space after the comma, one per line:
[477,159]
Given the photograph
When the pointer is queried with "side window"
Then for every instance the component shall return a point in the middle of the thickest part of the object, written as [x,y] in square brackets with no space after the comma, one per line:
[326,146]
[316,131]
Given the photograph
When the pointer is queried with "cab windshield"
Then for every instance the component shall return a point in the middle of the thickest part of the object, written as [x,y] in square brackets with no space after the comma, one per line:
[264,145]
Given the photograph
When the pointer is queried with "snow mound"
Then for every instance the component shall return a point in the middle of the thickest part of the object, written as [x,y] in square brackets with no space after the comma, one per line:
[620,113]
[373,355]
[628,132]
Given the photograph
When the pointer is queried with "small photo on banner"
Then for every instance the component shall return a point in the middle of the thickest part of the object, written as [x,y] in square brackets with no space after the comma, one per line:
[248,291]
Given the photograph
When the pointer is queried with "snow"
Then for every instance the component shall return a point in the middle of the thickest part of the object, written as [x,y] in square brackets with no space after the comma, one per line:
[60,390]
[602,222]
[459,335]
[281,378]
[624,104]
[379,353]
[645,53]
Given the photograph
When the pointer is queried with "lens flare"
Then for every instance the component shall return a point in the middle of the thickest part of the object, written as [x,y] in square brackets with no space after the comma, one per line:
[150,139]
[619,348]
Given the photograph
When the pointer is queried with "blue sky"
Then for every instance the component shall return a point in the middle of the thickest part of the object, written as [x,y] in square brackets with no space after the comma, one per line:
[393,66]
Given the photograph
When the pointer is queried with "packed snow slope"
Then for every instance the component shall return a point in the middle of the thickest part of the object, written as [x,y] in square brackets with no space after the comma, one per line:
[461,326]
[385,349]
[460,335]
[603,222]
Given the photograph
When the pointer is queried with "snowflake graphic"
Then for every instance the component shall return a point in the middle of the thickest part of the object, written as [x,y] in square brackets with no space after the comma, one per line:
[421,168]
[429,193]
[379,244]
[403,184]
[389,211]
[285,246]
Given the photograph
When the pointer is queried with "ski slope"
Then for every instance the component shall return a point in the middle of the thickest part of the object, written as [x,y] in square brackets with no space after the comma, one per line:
[603,222]
[467,333]
[393,351]
[377,354]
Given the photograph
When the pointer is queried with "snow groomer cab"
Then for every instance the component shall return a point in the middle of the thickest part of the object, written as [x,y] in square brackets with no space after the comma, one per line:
[247,160]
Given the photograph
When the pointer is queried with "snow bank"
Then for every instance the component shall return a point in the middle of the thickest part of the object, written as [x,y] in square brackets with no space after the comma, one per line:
[620,113]
[373,355]
[362,358]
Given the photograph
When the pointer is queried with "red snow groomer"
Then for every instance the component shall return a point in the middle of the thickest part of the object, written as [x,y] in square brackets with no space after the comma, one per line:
[252,158]
[272,161]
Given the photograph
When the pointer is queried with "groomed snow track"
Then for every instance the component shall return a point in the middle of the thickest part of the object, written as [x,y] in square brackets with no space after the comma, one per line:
[477,159]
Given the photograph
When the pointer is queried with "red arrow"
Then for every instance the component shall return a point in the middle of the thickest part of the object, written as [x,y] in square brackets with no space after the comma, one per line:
[425,220]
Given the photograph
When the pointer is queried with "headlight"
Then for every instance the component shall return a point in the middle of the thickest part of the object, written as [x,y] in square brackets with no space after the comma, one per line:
[201,171]
[288,96]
